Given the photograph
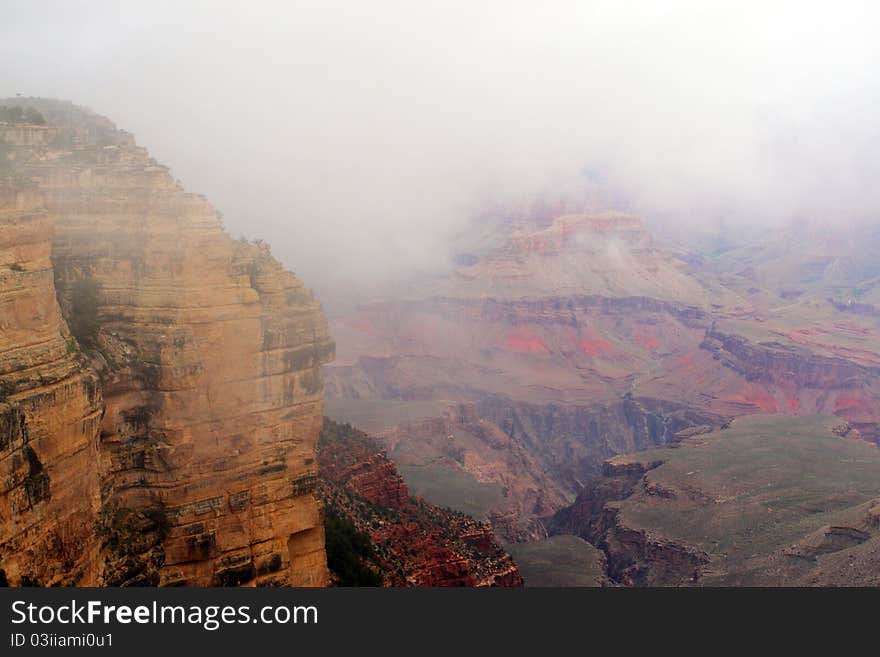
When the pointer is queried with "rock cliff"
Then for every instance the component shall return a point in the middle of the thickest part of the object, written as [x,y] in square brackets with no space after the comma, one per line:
[181,415]
[50,411]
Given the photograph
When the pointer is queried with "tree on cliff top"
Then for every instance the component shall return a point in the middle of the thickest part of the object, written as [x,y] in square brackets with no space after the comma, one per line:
[17,114]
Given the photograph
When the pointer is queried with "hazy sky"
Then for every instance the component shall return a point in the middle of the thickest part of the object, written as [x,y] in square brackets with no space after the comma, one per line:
[358,134]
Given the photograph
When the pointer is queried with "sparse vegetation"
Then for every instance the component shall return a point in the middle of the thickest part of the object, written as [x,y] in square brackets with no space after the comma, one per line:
[32,115]
[755,494]
[6,389]
[65,538]
[559,561]
[134,541]
[84,311]
[17,114]
[13,114]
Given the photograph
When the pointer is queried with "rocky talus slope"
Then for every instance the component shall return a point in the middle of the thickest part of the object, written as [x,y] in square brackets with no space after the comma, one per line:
[161,386]
[411,542]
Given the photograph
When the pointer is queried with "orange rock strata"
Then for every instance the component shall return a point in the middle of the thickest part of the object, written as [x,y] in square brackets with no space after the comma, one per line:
[201,468]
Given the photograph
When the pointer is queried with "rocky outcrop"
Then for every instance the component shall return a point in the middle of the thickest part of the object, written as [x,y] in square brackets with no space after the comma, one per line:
[827,540]
[852,306]
[574,441]
[767,500]
[209,357]
[50,411]
[608,254]
[633,556]
[464,439]
[784,365]
[412,543]
[803,381]
[588,346]
[352,461]
[587,516]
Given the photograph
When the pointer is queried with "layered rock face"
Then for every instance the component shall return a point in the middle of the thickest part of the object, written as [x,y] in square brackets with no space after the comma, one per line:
[633,557]
[208,352]
[50,412]
[606,254]
[351,460]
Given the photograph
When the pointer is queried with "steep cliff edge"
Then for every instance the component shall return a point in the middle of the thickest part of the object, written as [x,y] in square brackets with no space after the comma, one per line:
[50,412]
[202,468]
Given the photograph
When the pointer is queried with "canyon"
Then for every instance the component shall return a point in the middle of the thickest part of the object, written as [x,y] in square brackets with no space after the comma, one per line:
[766,500]
[568,339]
[572,391]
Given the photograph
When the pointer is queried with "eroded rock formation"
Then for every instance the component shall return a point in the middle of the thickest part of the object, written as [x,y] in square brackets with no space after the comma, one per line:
[201,468]
[762,501]
[50,412]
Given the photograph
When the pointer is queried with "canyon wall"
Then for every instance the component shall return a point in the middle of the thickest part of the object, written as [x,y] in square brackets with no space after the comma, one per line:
[202,352]
[50,412]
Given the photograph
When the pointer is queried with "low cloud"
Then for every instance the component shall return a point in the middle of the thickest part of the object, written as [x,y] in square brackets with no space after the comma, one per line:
[360,138]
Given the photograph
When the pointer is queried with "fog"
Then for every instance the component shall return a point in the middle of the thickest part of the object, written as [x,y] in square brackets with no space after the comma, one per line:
[359,138]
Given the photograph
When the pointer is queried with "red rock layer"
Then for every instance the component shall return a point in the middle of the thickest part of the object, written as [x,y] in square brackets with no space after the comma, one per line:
[417,544]
[372,477]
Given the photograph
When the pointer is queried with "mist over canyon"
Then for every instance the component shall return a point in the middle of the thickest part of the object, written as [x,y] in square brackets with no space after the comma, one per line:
[584,295]
[360,140]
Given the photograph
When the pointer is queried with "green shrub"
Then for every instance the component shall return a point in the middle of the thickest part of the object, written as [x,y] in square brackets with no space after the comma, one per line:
[17,114]
[13,114]
[348,551]
[34,116]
